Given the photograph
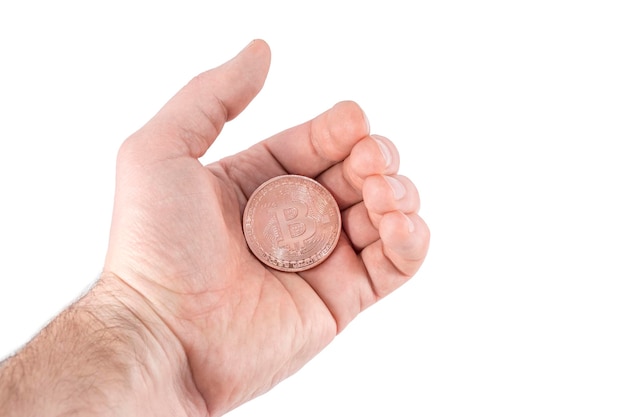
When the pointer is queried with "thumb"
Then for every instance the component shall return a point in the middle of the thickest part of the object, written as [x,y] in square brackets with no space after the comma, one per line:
[190,122]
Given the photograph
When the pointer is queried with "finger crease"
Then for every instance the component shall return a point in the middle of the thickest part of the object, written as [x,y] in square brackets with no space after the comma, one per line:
[269,151]
[317,147]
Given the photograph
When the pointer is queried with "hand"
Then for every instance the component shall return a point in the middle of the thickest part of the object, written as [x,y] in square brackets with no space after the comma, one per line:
[177,244]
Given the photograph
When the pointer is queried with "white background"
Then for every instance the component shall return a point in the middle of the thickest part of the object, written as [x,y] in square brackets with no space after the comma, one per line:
[509,116]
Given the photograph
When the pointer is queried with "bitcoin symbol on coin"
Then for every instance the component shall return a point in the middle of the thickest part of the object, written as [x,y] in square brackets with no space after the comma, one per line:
[291,223]
[295,226]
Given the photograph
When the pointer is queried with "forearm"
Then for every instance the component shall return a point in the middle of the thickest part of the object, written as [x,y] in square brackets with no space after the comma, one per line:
[101,356]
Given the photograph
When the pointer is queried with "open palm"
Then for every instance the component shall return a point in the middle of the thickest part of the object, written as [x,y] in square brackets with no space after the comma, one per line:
[177,240]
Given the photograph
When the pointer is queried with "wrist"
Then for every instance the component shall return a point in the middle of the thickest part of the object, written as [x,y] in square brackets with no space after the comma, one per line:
[108,354]
[157,365]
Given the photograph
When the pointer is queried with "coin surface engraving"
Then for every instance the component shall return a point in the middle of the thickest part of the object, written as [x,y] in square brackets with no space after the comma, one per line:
[291,223]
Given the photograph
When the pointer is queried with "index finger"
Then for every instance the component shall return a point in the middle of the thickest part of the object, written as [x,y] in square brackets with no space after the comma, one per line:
[314,146]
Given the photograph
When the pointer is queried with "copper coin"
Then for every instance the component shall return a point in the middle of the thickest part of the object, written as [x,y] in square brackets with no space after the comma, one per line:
[291,223]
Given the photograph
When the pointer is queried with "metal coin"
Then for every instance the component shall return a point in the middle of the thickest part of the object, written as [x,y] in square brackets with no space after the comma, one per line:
[291,223]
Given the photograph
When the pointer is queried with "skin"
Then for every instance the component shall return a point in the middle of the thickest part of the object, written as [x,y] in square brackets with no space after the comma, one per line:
[184,319]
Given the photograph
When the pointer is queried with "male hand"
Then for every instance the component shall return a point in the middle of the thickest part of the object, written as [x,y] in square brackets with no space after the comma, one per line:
[178,258]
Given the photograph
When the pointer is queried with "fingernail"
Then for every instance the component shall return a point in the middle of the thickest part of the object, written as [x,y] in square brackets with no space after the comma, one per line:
[410,224]
[367,122]
[398,188]
[384,149]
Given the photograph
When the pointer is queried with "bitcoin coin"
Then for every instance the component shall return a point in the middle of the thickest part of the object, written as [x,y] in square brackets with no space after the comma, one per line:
[291,223]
